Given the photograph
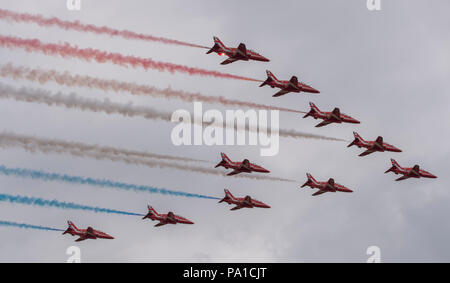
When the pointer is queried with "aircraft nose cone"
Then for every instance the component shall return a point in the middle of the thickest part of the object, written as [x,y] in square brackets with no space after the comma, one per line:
[264,59]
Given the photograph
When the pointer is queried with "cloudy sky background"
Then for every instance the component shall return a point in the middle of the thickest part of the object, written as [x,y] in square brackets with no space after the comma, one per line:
[389,69]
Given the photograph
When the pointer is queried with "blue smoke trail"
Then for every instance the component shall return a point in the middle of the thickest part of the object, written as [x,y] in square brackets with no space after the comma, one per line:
[63,205]
[28,226]
[35,174]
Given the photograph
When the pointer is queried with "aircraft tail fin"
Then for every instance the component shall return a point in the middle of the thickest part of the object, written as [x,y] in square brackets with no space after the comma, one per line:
[314,109]
[218,45]
[228,195]
[71,225]
[72,228]
[270,78]
[309,181]
[394,166]
[151,213]
[224,162]
[357,139]
[395,163]
[218,42]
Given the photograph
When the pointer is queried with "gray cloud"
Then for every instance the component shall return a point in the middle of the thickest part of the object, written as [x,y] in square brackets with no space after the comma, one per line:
[387,68]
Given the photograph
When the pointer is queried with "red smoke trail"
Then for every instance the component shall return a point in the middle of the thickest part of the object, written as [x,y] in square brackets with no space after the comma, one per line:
[76,25]
[88,54]
[67,79]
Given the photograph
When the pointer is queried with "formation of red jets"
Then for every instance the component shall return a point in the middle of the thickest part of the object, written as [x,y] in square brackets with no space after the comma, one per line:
[335,116]
[292,85]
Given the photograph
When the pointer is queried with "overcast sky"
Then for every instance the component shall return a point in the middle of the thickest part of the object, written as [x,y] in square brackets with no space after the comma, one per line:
[390,69]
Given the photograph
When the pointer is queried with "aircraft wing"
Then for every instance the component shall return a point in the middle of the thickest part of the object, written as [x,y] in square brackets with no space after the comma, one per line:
[281,92]
[412,172]
[237,207]
[403,178]
[229,60]
[324,123]
[160,224]
[81,238]
[369,151]
[234,172]
[318,193]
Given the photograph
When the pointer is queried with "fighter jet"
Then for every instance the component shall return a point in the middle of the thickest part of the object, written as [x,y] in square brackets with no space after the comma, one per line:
[246,201]
[372,146]
[239,167]
[324,187]
[414,172]
[89,233]
[293,85]
[169,218]
[334,116]
[235,54]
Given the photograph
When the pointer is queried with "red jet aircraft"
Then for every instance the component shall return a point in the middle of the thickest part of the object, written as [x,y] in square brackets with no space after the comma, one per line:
[89,233]
[372,146]
[239,167]
[293,85]
[324,187]
[242,202]
[235,54]
[169,218]
[334,116]
[414,172]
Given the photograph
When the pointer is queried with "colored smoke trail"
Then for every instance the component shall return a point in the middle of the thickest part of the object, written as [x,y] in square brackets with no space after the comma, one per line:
[63,205]
[27,226]
[45,176]
[88,54]
[34,144]
[70,80]
[73,101]
[295,134]
[42,21]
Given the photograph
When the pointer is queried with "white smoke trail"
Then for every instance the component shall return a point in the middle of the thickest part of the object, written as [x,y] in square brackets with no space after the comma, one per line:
[35,144]
[74,101]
